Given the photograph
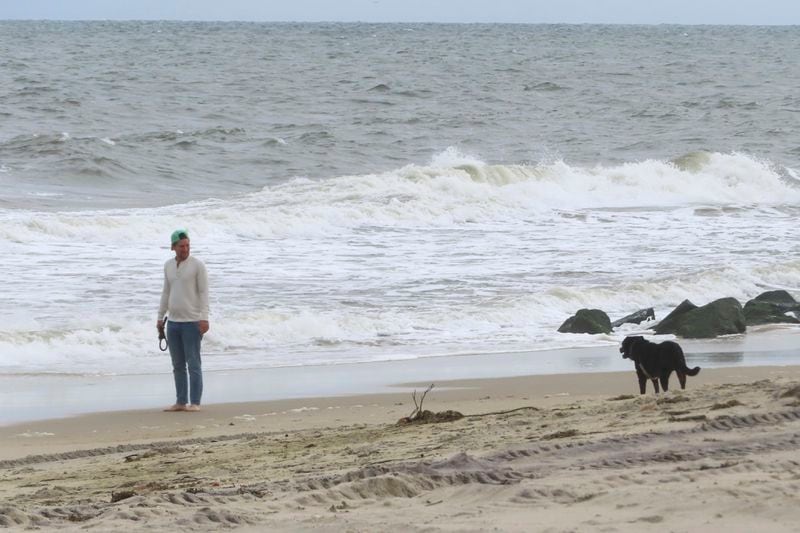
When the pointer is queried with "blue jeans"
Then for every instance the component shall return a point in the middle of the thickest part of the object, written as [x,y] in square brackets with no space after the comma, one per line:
[184,348]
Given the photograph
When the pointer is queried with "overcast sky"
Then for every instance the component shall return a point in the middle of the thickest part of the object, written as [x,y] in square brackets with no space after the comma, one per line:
[533,11]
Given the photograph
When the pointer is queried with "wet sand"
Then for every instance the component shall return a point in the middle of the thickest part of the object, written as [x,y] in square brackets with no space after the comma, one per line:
[44,396]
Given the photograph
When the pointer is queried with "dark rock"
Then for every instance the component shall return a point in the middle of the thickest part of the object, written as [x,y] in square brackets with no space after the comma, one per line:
[776,297]
[587,321]
[720,317]
[758,312]
[636,318]
[669,323]
[771,307]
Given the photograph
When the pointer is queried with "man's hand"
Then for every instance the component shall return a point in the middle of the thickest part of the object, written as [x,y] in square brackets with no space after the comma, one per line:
[203,325]
[159,325]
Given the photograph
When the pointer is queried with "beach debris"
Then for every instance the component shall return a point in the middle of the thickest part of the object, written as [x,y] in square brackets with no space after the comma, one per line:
[726,464]
[563,434]
[155,451]
[793,392]
[81,515]
[677,413]
[691,418]
[121,495]
[151,486]
[341,507]
[621,397]
[422,416]
[724,405]
[676,398]
[642,315]
[254,491]
[507,411]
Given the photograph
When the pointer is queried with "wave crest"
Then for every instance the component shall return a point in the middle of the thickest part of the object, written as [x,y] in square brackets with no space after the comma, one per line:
[454,189]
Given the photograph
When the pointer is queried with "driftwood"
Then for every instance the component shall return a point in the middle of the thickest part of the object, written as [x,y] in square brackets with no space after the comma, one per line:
[422,416]
[495,413]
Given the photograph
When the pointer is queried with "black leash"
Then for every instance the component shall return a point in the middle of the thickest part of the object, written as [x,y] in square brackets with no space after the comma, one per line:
[163,343]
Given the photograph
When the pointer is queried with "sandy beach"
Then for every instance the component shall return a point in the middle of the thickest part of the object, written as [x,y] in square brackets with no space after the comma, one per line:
[406,196]
[564,452]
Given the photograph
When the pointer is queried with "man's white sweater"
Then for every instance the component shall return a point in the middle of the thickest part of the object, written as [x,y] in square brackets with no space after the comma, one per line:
[185,293]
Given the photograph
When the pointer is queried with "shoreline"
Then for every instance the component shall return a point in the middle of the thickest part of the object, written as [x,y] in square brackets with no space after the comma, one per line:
[33,397]
[142,427]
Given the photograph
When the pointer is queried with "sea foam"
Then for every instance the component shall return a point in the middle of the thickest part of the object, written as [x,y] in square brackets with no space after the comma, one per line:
[455,256]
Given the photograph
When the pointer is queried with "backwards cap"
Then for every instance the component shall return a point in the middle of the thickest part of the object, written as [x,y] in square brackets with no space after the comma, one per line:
[179,234]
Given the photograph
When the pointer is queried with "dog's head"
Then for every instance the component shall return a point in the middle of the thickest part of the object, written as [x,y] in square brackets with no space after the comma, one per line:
[626,349]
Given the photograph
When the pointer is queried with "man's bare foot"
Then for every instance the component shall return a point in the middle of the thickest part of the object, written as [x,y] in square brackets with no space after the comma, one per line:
[176,407]
[192,407]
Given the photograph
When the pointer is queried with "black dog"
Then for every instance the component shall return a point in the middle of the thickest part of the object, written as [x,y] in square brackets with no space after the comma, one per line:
[656,361]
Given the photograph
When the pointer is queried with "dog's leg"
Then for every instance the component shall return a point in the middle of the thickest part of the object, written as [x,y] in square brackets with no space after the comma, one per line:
[655,384]
[665,382]
[642,382]
[681,378]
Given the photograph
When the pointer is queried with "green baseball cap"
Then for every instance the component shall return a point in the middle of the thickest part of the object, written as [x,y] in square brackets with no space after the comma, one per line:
[179,234]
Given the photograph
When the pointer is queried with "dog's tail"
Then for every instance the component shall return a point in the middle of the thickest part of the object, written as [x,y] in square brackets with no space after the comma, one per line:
[691,371]
[686,370]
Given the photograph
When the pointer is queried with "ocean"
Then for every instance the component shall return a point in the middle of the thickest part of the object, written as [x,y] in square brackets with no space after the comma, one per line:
[373,192]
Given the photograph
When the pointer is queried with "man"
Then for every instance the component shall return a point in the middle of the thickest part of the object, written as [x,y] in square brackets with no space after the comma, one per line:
[185,299]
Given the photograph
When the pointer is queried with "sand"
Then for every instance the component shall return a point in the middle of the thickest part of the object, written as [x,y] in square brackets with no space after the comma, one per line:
[572,452]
